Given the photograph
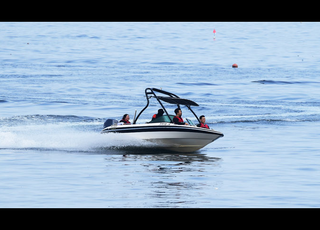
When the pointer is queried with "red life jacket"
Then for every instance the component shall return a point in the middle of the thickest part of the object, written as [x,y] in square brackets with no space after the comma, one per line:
[179,118]
[154,116]
[204,126]
[126,122]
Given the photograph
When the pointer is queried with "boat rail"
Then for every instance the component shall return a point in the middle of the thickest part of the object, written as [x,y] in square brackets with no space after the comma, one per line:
[171,99]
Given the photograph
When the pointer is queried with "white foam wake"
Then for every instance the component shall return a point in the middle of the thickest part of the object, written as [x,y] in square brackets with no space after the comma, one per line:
[61,136]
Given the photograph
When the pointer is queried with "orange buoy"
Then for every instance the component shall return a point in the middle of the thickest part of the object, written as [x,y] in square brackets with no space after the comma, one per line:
[234,65]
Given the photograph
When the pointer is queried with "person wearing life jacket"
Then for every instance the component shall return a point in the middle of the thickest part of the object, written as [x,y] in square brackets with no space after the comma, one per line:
[159,114]
[178,119]
[202,122]
[125,119]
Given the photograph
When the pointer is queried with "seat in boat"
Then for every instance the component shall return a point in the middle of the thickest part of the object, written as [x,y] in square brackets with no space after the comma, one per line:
[163,118]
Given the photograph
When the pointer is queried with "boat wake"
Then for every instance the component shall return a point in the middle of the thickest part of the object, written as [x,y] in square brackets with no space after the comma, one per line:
[63,137]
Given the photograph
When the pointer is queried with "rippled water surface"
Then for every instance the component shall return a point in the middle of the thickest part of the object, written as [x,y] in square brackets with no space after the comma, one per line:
[60,81]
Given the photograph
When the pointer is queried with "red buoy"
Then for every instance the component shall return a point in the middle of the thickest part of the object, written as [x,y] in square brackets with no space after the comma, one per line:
[234,65]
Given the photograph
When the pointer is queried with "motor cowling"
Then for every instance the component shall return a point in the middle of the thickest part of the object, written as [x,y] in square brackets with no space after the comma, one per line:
[110,122]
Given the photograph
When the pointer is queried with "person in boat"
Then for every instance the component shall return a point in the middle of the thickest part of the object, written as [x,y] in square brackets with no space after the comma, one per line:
[203,122]
[125,119]
[159,114]
[178,119]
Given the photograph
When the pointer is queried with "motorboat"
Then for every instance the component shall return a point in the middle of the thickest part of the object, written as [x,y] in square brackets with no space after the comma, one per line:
[162,131]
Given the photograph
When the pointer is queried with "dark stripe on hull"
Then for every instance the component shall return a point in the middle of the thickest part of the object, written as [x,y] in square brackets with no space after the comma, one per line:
[158,129]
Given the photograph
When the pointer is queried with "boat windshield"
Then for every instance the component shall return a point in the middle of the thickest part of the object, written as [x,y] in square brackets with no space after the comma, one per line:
[163,118]
[190,122]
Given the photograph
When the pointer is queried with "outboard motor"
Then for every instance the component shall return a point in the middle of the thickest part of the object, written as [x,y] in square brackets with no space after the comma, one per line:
[110,122]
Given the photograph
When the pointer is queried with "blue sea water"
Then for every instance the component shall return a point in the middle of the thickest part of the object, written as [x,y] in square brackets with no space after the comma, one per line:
[61,80]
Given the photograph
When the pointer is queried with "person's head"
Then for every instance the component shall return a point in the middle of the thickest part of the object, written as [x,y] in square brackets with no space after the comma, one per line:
[160,112]
[126,117]
[178,112]
[202,119]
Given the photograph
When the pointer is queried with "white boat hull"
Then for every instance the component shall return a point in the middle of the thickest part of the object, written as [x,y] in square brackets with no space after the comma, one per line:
[178,138]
